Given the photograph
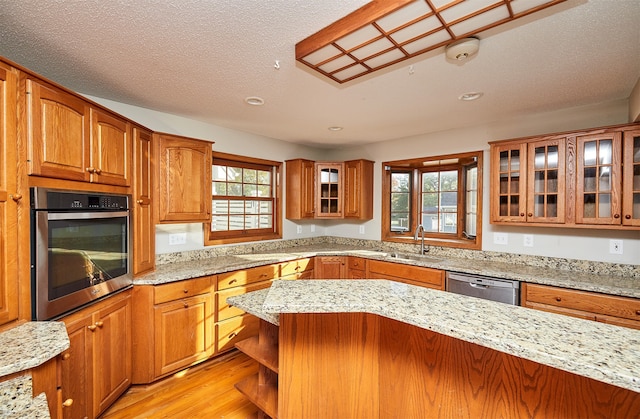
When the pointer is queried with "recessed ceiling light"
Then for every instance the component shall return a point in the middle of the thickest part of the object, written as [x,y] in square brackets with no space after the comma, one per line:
[335,128]
[470,96]
[254,100]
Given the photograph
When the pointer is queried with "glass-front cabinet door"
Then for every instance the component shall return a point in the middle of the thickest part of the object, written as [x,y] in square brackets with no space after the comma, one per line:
[598,179]
[546,181]
[329,188]
[631,182]
[508,184]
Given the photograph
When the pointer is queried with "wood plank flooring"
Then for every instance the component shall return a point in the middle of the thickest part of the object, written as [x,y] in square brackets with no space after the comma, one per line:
[204,391]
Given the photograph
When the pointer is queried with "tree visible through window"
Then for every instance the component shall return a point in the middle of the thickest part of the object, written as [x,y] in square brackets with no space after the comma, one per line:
[440,193]
[245,203]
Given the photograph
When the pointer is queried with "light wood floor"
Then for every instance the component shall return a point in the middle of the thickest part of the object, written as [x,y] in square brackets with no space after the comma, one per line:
[205,391]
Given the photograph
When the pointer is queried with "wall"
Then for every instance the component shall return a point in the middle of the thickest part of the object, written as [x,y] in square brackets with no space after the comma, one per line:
[584,244]
[634,103]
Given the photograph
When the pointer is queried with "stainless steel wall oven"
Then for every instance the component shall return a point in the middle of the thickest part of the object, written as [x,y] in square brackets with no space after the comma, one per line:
[80,249]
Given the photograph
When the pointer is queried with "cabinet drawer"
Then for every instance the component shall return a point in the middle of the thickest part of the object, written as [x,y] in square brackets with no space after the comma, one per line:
[231,331]
[248,276]
[609,305]
[357,264]
[181,289]
[296,266]
[415,275]
[225,311]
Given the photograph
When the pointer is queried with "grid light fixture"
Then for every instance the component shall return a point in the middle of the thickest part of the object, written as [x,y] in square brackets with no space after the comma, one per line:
[385,32]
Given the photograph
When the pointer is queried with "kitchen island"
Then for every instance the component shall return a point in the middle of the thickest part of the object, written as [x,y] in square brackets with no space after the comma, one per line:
[381,349]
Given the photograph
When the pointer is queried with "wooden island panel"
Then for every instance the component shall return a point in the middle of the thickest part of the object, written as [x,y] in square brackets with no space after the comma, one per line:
[356,365]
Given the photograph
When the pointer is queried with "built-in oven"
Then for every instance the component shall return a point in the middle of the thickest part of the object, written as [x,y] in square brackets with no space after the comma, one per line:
[80,249]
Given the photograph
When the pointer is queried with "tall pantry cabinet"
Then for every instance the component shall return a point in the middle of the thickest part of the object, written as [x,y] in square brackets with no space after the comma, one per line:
[9,198]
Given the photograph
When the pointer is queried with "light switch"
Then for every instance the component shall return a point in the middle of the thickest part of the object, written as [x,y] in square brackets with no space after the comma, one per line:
[500,238]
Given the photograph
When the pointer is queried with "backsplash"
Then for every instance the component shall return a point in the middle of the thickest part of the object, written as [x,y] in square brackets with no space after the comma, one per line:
[600,268]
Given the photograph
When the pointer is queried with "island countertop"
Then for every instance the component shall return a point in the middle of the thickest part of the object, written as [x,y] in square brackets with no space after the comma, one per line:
[602,352]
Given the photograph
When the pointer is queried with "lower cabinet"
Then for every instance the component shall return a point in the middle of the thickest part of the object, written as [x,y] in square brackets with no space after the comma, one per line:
[414,275]
[357,268]
[96,369]
[331,267]
[603,308]
[174,327]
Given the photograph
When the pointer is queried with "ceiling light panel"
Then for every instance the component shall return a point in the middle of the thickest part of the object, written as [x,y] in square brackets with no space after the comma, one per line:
[383,33]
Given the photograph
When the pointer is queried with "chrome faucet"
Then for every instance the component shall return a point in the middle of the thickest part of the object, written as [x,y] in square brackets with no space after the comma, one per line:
[420,230]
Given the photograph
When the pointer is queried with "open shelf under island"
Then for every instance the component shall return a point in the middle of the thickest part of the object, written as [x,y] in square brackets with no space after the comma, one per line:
[381,349]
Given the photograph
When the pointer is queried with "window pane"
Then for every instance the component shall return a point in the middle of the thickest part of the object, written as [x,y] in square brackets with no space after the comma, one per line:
[264,177]
[266,221]
[400,221]
[251,207]
[220,207]
[399,202]
[430,203]
[220,224]
[234,189]
[219,172]
[236,207]
[250,176]
[234,174]
[430,182]
[400,182]
[219,188]
[449,201]
[264,191]
[250,190]
[449,181]
[266,207]
[251,221]
[236,222]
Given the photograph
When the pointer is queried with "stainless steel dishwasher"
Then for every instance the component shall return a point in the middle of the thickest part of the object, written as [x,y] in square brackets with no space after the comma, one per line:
[494,289]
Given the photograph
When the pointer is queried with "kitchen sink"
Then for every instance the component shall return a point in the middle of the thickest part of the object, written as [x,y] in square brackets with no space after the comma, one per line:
[412,257]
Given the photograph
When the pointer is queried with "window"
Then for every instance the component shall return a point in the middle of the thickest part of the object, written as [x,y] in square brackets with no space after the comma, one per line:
[443,194]
[245,200]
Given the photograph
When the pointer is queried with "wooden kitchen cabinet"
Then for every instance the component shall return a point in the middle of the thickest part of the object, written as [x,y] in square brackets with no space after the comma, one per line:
[330,267]
[329,190]
[357,268]
[621,311]
[358,189]
[300,189]
[144,233]
[574,179]
[233,324]
[414,275]
[10,199]
[528,181]
[631,179]
[297,269]
[96,369]
[174,327]
[71,139]
[184,175]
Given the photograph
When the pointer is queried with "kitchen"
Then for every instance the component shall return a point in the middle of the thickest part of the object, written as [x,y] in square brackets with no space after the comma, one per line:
[579,244]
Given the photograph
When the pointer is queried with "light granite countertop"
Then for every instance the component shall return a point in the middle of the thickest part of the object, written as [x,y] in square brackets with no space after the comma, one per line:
[31,344]
[17,401]
[595,350]
[549,272]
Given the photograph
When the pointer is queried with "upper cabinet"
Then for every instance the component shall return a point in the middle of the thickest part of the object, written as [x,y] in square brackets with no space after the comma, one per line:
[329,190]
[184,179]
[575,179]
[70,139]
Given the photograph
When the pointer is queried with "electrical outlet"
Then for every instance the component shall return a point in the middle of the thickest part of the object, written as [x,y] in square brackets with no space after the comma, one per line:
[615,247]
[299,229]
[500,238]
[528,240]
[313,228]
[177,238]
[361,229]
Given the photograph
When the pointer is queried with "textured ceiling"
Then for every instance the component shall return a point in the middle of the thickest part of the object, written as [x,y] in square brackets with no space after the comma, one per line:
[200,59]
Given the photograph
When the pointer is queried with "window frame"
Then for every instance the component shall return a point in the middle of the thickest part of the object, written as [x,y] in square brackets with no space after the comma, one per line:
[247,235]
[416,166]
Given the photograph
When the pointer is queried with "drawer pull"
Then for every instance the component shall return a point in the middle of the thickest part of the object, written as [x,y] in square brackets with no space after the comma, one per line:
[66,356]
[92,327]
[638,312]
[233,281]
[67,403]
[186,291]
[232,335]
[186,305]
[100,324]
[558,299]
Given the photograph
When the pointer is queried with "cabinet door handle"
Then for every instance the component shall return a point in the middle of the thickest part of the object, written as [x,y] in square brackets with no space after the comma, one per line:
[92,327]
[91,169]
[186,305]
[16,197]
[638,312]
[100,324]
[522,214]
[628,217]
[530,214]
[66,356]
[616,216]
[558,299]
[67,403]
[98,171]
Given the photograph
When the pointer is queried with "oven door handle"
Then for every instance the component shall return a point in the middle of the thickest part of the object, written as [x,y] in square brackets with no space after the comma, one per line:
[86,215]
